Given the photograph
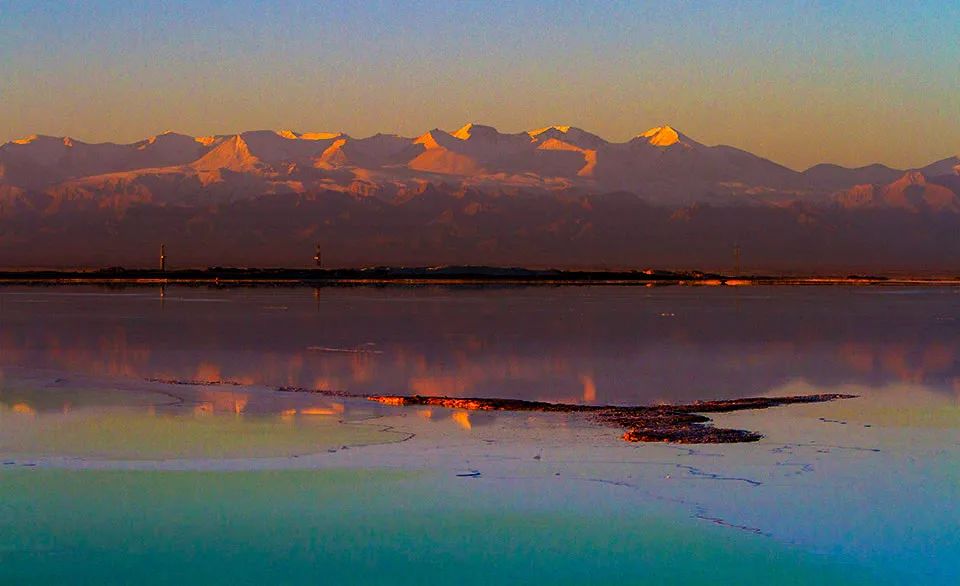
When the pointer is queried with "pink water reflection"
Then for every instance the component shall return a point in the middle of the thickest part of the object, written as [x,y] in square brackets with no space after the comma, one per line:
[592,345]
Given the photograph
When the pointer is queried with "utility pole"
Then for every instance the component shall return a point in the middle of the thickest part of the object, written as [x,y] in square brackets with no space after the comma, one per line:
[163,258]
[317,257]
[736,259]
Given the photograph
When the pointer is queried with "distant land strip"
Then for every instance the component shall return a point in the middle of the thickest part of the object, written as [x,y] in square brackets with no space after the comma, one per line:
[226,276]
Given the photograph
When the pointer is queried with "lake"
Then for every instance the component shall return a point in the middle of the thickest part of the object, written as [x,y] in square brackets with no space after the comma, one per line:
[622,345]
[143,438]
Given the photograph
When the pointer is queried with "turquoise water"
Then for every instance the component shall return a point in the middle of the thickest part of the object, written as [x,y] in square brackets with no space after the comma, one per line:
[364,527]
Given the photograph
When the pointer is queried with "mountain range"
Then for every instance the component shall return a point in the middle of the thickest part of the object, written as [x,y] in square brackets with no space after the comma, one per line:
[557,196]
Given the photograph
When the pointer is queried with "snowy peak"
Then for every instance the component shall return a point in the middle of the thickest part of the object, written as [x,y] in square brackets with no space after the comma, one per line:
[568,134]
[167,140]
[286,146]
[372,152]
[321,136]
[40,144]
[434,139]
[43,140]
[472,130]
[163,150]
[232,154]
[28,139]
[555,129]
[662,136]
[291,135]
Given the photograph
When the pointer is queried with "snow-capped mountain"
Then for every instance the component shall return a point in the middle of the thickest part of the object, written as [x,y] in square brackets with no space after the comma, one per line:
[557,195]
[661,164]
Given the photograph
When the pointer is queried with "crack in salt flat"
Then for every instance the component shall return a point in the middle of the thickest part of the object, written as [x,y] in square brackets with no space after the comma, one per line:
[802,467]
[383,428]
[700,512]
[699,473]
[696,452]
[825,449]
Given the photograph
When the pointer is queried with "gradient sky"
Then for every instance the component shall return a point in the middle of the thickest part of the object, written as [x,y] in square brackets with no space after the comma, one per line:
[799,82]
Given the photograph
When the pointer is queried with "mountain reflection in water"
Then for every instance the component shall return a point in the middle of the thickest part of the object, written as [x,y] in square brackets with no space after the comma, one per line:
[572,344]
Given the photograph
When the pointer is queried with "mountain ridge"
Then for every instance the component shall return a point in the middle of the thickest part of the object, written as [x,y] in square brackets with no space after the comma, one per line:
[556,195]
[560,155]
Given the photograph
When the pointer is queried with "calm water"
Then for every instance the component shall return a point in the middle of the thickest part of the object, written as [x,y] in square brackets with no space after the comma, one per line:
[105,478]
[597,344]
[348,527]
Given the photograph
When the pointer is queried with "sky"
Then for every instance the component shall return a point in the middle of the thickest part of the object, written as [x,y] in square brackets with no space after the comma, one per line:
[851,82]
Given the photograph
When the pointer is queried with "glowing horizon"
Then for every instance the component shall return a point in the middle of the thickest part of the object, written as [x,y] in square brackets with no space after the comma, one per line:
[800,83]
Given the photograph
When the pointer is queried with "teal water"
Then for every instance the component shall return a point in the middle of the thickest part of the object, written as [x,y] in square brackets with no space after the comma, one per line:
[364,527]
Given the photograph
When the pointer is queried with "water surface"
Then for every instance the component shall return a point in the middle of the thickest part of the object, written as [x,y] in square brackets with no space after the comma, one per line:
[110,474]
[584,344]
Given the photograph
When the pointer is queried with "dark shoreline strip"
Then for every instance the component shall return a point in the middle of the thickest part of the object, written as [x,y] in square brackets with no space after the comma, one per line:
[439,275]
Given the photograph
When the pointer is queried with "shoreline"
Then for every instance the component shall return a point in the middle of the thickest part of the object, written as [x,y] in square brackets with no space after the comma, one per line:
[445,276]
